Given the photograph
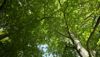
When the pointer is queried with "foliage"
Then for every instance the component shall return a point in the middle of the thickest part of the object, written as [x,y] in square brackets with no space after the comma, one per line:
[32,23]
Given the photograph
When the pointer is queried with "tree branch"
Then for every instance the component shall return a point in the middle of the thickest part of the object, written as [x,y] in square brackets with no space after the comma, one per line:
[94,29]
[3,36]
[76,43]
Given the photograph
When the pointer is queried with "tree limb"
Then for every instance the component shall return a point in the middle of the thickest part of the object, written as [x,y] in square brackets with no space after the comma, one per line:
[94,29]
[77,45]
[79,48]
[3,36]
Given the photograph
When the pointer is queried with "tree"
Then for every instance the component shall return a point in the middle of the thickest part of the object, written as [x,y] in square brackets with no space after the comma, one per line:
[58,28]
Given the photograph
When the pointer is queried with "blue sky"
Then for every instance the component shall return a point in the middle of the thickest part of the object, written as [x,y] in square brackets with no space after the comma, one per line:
[44,48]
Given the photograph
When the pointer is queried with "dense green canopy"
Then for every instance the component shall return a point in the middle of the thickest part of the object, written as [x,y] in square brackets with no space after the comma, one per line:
[49,28]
